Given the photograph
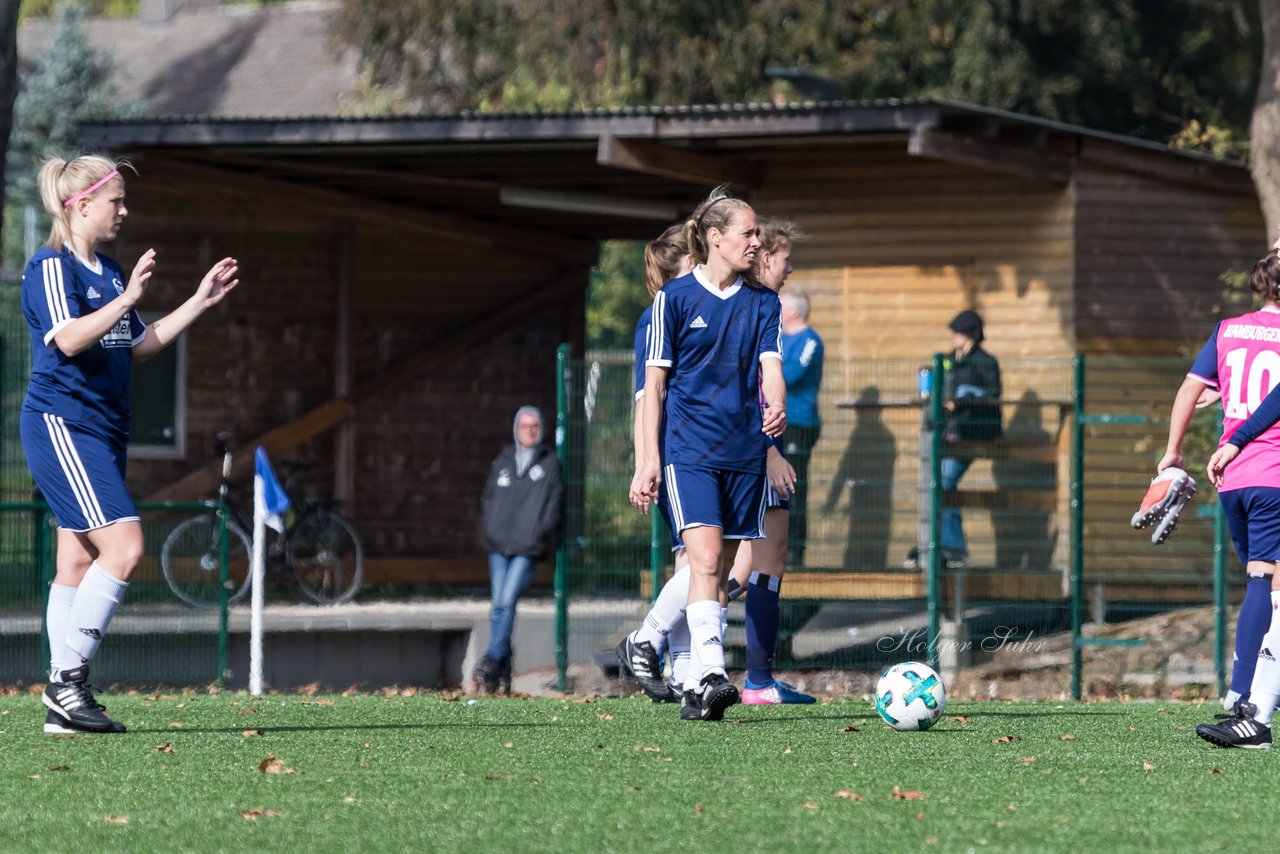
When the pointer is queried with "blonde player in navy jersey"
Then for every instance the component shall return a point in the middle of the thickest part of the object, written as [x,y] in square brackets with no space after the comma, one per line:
[714,346]
[85,335]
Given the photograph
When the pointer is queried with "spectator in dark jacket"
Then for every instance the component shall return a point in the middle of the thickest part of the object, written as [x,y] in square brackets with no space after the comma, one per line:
[521,510]
[971,397]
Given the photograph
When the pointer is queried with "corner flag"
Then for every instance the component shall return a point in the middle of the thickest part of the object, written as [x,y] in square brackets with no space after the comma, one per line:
[269,506]
[275,503]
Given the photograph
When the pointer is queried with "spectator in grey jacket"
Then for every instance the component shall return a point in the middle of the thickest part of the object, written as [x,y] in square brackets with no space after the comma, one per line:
[521,510]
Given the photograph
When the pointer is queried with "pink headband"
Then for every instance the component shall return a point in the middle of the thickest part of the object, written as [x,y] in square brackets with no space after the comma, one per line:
[80,195]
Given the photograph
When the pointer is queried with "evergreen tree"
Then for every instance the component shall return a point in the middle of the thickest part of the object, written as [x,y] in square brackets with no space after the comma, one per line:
[71,84]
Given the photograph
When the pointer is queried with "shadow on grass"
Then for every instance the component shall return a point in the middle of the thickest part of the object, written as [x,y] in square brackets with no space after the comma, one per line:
[267,729]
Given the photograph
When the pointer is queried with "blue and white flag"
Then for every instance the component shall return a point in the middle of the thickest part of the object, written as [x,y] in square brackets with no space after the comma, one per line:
[275,503]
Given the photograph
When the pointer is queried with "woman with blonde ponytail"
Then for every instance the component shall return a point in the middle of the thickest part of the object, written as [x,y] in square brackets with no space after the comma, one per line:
[714,348]
[85,335]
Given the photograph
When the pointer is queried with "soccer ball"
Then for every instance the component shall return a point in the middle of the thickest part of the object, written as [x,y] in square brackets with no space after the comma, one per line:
[910,696]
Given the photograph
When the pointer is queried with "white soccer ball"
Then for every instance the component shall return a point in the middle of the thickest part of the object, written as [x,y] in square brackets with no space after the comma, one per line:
[910,696]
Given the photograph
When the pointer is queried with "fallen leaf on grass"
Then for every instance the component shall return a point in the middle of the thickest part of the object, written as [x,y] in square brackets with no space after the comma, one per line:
[1027,760]
[605,717]
[900,794]
[1067,737]
[959,719]
[849,728]
[5,712]
[919,816]
[534,779]
[509,745]
[1215,770]
[506,778]
[848,796]
[117,819]
[1006,739]
[810,805]
[248,710]
[165,748]
[451,697]
[57,768]
[644,748]
[1012,808]
[255,813]
[176,725]
[317,702]
[786,752]
[349,799]
[273,764]
[1147,766]
[697,808]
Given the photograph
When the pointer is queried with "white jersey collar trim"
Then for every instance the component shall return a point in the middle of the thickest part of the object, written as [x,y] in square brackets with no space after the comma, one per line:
[1270,309]
[699,273]
[95,267]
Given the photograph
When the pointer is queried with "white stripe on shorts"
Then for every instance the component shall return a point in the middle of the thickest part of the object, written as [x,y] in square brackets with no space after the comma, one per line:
[673,497]
[73,468]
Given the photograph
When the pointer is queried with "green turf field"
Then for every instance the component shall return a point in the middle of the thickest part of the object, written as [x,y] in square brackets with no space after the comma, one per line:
[426,773]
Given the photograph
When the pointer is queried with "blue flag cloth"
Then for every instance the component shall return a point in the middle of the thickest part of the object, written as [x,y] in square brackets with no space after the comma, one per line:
[275,501]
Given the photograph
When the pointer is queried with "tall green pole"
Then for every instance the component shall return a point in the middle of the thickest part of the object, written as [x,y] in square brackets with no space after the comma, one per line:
[655,553]
[934,582]
[1077,525]
[562,552]
[224,631]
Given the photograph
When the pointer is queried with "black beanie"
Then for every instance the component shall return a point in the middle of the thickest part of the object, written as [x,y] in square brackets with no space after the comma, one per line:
[967,323]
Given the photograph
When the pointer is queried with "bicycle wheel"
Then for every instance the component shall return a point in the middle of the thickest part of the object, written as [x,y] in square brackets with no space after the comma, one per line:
[190,561]
[326,558]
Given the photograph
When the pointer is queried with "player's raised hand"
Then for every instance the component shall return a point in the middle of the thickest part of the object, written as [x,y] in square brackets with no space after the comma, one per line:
[142,271]
[1218,463]
[218,282]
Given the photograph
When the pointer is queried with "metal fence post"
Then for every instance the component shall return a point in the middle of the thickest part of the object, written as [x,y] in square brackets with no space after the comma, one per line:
[224,632]
[562,551]
[656,528]
[933,585]
[1077,525]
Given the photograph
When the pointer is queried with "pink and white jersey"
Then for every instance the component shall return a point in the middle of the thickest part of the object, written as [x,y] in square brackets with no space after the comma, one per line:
[1242,360]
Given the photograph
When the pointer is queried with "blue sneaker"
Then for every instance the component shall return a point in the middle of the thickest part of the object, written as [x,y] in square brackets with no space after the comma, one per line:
[776,693]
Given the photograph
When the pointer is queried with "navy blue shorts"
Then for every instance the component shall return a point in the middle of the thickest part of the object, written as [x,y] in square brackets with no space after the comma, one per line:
[730,500]
[80,473]
[1253,518]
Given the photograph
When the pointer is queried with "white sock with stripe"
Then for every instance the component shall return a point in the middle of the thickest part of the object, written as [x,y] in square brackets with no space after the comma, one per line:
[95,604]
[704,641]
[678,646]
[1265,689]
[666,610]
[56,618]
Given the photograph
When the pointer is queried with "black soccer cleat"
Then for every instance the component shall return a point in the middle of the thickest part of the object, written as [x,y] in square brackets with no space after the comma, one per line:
[1240,730]
[718,694]
[675,694]
[690,706]
[486,676]
[71,700]
[642,662]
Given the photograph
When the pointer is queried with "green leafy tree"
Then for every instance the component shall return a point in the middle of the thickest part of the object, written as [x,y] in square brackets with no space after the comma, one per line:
[1143,67]
[71,83]
[616,296]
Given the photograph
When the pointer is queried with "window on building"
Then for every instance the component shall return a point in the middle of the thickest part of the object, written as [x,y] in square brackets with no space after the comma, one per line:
[158,398]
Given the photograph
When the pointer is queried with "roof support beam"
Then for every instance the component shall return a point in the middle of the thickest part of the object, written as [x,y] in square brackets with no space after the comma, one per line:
[1219,177]
[690,166]
[991,156]
[345,206]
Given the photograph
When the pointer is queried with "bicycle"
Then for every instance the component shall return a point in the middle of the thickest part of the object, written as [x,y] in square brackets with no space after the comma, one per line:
[318,550]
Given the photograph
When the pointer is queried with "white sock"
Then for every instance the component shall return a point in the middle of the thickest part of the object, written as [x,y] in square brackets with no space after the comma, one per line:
[678,646]
[704,641]
[1229,701]
[1265,689]
[96,601]
[667,608]
[56,617]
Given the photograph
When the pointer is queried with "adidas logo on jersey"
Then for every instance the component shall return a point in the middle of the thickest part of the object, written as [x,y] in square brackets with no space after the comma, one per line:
[698,323]
[92,293]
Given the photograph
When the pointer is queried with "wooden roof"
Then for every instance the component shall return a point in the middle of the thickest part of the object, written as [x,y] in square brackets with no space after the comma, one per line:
[562,180]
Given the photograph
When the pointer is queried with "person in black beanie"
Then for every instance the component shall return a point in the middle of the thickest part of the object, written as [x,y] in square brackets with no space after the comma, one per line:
[971,398]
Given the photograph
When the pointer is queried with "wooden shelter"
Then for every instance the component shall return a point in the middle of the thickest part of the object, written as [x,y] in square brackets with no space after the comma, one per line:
[407,279]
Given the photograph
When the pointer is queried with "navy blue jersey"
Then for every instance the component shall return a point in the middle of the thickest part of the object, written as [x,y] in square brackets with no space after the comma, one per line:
[91,388]
[642,347]
[713,342]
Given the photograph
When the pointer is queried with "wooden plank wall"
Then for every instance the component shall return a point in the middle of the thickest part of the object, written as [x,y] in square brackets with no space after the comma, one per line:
[898,245]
